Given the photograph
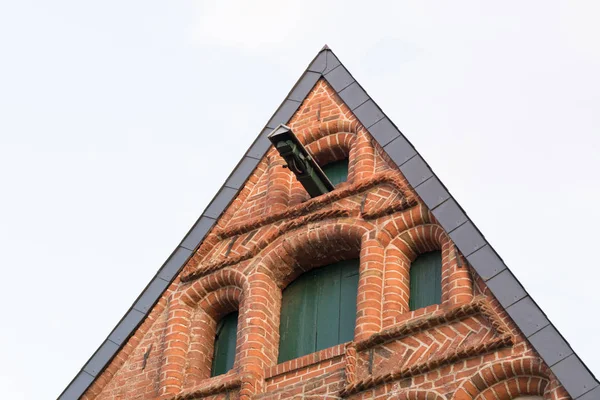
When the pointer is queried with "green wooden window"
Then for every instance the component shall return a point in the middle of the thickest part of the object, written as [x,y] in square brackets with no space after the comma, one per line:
[318,310]
[337,171]
[224,354]
[426,280]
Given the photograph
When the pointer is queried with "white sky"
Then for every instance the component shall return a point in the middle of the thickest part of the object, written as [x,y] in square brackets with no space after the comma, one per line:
[120,120]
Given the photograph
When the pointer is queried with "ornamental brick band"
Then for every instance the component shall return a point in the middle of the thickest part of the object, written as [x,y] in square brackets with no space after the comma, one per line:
[464,348]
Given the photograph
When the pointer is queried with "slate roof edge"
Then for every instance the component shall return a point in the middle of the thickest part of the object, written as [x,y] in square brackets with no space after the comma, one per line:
[144,303]
[573,374]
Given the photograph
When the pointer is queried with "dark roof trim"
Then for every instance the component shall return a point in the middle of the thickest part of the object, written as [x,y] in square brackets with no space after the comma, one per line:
[543,336]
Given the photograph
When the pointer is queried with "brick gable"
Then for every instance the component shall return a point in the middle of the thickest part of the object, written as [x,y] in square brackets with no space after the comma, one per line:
[467,347]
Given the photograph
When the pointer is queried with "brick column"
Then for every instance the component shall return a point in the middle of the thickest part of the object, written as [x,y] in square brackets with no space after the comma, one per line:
[396,290]
[362,155]
[370,285]
[259,333]
[457,286]
[177,339]
[201,348]
[278,189]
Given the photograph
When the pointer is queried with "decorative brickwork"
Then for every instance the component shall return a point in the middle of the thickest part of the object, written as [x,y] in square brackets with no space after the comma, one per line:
[465,348]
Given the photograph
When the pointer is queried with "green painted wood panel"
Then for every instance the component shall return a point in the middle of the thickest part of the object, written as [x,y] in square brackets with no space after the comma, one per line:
[348,293]
[225,338]
[426,280]
[328,306]
[318,310]
[337,171]
[297,328]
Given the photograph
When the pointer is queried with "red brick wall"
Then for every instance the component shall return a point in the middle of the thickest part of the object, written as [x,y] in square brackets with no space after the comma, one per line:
[464,348]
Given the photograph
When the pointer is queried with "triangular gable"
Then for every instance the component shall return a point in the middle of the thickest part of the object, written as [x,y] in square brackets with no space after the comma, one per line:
[530,319]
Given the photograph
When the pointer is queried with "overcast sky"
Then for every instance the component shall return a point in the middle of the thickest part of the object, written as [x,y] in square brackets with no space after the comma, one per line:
[119,120]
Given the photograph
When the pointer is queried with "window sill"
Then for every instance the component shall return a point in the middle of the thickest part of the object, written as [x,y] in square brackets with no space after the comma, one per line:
[307,360]
[425,318]
[210,386]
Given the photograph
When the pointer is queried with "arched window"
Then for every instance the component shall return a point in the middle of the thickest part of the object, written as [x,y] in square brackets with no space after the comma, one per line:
[225,337]
[318,310]
[528,398]
[337,171]
[426,280]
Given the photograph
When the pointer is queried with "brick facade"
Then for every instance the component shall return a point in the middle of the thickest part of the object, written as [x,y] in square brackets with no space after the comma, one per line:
[464,348]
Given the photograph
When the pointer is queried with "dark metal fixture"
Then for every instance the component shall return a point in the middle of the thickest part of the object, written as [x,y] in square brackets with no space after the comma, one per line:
[300,162]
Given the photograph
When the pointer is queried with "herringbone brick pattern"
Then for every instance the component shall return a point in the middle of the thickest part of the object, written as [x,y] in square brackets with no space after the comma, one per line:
[465,348]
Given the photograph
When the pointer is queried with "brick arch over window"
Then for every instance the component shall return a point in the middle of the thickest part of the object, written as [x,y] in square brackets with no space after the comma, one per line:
[335,140]
[332,148]
[419,395]
[307,136]
[214,306]
[506,380]
[327,142]
[513,388]
[323,243]
[199,289]
[311,246]
[400,222]
[457,287]
[191,324]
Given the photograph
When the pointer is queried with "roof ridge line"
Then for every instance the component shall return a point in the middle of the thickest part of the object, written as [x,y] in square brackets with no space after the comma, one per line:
[572,373]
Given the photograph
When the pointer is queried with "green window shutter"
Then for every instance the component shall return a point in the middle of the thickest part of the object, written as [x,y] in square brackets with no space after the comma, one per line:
[337,171]
[348,293]
[318,310]
[328,284]
[298,322]
[225,344]
[426,280]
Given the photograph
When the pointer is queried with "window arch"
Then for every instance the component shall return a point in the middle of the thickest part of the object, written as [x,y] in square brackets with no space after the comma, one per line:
[520,379]
[528,398]
[426,280]
[318,310]
[337,171]
[205,303]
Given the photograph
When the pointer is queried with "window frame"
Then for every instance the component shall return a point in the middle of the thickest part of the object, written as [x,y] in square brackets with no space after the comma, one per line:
[225,334]
[334,167]
[314,309]
[423,267]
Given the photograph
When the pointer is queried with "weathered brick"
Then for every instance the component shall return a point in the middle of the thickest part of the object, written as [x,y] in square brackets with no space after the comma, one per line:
[464,348]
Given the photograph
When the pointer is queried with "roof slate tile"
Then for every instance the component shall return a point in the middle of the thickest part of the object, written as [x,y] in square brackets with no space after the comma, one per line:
[174,263]
[127,324]
[467,238]
[241,172]
[353,96]
[571,372]
[550,345]
[384,131]
[486,262]
[101,357]
[506,288]
[368,113]
[399,150]
[150,295]
[416,171]
[220,202]
[528,316]
[593,394]
[432,192]
[339,78]
[260,145]
[197,233]
[304,86]
[449,215]
[574,376]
